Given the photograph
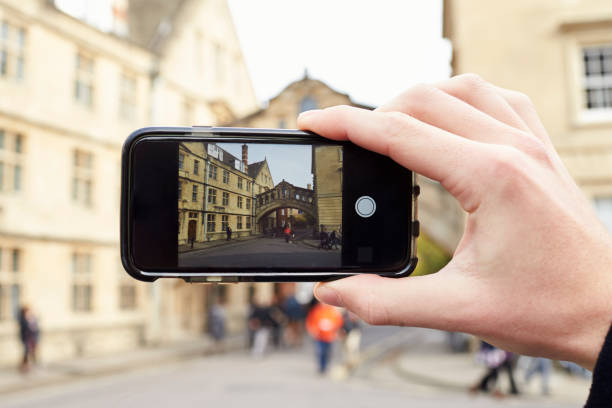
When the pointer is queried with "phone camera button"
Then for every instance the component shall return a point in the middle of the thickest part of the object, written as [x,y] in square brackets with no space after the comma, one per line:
[365,206]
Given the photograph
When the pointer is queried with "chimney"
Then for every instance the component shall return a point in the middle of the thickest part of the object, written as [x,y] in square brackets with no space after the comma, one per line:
[245,157]
[309,186]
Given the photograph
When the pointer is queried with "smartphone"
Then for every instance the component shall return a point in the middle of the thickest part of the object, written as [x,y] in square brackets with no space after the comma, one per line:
[214,204]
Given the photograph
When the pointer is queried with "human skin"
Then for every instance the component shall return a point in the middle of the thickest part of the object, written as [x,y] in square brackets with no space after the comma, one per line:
[533,271]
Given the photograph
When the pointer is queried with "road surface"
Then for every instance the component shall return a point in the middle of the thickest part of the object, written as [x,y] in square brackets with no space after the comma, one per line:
[262,253]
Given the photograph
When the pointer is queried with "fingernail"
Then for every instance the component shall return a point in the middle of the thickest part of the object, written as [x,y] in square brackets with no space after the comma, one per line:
[326,294]
[307,114]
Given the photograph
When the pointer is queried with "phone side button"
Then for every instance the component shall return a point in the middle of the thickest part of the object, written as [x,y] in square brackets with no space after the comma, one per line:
[416,228]
[416,190]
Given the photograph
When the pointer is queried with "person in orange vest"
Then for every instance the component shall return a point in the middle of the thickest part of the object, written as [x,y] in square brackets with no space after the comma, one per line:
[323,323]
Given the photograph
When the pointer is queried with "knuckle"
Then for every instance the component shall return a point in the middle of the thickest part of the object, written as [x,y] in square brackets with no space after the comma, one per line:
[472,81]
[396,123]
[417,98]
[520,99]
[507,163]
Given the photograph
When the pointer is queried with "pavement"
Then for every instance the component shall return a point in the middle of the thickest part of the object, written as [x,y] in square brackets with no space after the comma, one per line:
[263,252]
[399,367]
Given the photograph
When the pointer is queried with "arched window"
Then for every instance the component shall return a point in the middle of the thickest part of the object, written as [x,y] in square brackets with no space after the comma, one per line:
[308,103]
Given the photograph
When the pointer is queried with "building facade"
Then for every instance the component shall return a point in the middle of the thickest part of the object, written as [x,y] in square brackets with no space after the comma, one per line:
[559,53]
[71,94]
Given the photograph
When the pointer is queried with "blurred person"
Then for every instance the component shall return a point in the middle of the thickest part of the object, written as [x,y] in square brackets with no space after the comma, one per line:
[532,271]
[216,322]
[351,329]
[323,324]
[228,231]
[258,324]
[278,321]
[494,359]
[294,312]
[29,336]
[542,366]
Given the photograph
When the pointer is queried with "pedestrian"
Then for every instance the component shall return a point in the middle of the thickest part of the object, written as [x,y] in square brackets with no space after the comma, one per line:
[494,359]
[542,366]
[216,322]
[295,317]
[228,230]
[333,240]
[323,238]
[351,329]
[323,323]
[287,233]
[29,335]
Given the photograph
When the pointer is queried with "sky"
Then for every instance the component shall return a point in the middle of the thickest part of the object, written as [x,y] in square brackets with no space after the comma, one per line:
[291,163]
[371,50]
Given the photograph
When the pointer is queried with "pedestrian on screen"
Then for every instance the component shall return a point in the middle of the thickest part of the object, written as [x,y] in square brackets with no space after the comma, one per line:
[333,240]
[287,233]
[323,238]
[228,230]
[323,324]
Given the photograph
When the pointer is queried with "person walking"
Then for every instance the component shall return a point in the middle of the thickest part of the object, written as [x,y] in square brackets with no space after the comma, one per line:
[494,359]
[333,240]
[542,366]
[29,335]
[351,329]
[323,323]
[228,230]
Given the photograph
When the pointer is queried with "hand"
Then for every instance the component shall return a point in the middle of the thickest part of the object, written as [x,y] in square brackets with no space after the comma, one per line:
[533,271]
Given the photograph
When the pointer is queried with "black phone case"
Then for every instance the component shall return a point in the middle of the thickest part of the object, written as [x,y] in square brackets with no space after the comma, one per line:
[197,133]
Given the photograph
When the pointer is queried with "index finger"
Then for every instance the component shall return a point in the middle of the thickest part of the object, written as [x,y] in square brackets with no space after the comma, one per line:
[426,149]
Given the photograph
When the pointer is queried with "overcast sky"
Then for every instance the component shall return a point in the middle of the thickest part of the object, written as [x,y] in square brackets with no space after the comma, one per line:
[291,163]
[371,50]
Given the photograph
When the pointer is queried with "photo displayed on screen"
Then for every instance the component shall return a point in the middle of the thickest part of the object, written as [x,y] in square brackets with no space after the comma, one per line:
[259,205]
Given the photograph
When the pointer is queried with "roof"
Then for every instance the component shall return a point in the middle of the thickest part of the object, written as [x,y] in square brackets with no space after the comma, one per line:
[255,168]
[150,22]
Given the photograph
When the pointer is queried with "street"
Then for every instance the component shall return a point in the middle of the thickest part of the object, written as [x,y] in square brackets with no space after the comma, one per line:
[262,252]
[281,378]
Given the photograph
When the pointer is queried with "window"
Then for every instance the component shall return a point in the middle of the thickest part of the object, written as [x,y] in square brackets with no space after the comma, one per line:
[194,193]
[248,222]
[226,176]
[11,158]
[84,81]
[307,103]
[248,203]
[181,161]
[81,282]
[196,167]
[128,96]
[224,222]
[212,172]
[10,285]
[127,296]
[82,180]
[248,184]
[238,222]
[239,202]
[225,199]
[127,291]
[598,77]
[180,190]
[240,182]
[212,196]
[12,51]
[210,222]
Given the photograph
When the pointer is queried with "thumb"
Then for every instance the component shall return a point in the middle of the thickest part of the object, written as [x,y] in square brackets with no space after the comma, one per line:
[440,301]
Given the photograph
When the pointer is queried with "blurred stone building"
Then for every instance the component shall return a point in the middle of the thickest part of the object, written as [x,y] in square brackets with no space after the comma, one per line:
[72,90]
[559,53]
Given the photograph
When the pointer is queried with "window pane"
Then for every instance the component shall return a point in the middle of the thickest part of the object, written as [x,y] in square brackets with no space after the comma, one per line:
[16,260]
[15,294]
[18,143]
[17,178]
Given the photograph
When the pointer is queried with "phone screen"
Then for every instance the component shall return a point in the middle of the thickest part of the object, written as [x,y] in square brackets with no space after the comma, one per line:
[259,205]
